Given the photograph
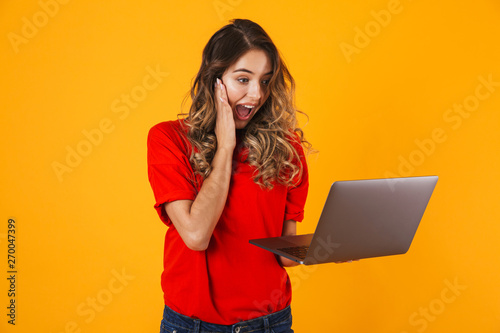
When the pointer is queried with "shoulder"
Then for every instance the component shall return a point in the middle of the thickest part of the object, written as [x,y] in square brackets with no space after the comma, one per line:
[295,138]
[168,134]
[168,128]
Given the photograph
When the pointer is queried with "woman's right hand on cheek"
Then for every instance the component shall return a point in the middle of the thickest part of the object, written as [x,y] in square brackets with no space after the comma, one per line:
[225,130]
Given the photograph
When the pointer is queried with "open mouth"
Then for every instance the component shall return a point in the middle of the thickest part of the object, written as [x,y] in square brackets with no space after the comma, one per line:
[243,112]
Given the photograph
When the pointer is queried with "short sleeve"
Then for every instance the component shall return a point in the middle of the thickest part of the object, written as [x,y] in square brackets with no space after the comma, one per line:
[169,171]
[297,194]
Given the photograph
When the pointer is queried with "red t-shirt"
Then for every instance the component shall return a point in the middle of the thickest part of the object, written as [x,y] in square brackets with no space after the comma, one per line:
[231,280]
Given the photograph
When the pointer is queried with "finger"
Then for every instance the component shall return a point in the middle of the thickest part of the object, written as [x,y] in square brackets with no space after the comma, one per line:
[223,91]
[217,90]
[224,113]
[226,107]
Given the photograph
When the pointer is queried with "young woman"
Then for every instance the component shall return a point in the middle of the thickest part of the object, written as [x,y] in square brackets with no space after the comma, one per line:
[232,170]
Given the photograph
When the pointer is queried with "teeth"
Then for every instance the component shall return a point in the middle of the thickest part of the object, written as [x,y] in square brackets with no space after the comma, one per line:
[249,106]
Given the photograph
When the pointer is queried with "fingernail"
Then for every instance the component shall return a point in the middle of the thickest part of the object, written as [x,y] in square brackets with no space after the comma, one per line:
[221,99]
[218,81]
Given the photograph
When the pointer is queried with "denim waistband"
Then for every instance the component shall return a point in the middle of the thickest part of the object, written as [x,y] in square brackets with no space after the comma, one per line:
[263,323]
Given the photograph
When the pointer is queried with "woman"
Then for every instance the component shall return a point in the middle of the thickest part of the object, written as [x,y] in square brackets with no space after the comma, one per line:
[232,170]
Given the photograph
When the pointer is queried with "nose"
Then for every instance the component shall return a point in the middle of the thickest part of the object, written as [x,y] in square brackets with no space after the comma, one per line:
[254,91]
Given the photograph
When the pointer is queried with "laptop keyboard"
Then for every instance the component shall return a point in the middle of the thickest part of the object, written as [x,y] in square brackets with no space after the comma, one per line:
[296,251]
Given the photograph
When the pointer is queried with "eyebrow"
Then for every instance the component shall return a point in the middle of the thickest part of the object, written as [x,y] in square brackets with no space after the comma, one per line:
[250,72]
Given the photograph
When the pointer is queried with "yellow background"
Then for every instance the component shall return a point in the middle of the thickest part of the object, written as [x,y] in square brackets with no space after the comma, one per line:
[373,111]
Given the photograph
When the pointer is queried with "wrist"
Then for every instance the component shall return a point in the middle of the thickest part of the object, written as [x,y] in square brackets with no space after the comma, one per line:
[223,159]
[224,151]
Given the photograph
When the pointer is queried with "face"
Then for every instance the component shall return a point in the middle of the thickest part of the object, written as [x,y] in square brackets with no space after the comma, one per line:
[246,82]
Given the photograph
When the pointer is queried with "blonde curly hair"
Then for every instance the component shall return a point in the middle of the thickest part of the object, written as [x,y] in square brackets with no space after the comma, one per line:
[271,134]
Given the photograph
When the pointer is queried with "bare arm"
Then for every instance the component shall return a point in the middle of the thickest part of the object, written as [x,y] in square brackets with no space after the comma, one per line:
[196,220]
[289,228]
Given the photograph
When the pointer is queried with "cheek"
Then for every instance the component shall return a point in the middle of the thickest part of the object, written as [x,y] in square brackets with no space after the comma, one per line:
[234,93]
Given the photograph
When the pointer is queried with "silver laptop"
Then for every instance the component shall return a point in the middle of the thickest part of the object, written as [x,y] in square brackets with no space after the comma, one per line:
[360,219]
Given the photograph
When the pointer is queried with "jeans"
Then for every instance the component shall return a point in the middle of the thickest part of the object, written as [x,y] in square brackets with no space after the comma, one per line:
[278,322]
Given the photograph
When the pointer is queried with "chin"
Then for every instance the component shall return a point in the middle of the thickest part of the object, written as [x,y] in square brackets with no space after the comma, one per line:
[240,124]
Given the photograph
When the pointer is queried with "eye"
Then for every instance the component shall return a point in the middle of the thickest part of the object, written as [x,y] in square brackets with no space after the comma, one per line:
[243,80]
[266,82]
